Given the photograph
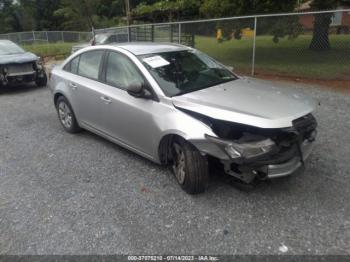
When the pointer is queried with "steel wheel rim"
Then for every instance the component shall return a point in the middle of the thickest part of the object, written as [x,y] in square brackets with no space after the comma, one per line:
[65,115]
[179,164]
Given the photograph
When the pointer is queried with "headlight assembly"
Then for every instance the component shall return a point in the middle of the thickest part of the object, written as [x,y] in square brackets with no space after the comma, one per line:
[4,70]
[251,149]
[38,65]
[245,151]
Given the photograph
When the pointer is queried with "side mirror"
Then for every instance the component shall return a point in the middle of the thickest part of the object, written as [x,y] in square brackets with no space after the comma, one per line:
[137,89]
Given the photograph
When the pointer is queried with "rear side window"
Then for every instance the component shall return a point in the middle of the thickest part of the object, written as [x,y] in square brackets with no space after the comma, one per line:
[121,71]
[89,64]
[74,64]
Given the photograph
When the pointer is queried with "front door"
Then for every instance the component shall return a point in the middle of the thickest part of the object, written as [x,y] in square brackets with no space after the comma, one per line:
[130,120]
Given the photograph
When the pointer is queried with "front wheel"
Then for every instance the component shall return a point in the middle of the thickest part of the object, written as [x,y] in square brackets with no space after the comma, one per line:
[190,167]
[41,81]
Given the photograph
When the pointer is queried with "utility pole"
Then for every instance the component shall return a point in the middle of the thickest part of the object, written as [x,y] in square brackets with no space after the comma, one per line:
[127,9]
[90,22]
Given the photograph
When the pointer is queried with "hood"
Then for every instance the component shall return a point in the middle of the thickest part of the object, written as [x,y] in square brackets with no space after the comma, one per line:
[249,102]
[18,58]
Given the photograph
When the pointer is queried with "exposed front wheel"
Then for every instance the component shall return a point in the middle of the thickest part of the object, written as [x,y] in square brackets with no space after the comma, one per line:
[190,167]
[66,115]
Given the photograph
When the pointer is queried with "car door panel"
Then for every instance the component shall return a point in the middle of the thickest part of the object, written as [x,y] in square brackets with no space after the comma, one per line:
[85,89]
[88,99]
[128,119]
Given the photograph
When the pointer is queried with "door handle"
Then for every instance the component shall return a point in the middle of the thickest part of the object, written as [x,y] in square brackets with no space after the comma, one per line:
[73,86]
[106,99]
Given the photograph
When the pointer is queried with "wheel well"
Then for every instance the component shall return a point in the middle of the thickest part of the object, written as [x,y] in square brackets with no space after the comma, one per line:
[56,97]
[164,149]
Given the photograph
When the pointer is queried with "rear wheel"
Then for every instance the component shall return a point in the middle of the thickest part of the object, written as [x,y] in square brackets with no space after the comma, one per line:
[190,167]
[66,115]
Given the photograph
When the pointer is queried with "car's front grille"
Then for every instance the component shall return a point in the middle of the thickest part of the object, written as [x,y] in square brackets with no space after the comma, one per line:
[20,69]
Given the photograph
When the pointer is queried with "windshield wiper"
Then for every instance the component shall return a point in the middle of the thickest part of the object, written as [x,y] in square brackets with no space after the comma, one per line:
[204,87]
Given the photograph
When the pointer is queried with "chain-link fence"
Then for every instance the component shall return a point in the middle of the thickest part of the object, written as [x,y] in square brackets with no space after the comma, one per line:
[309,45]
[312,45]
[34,37]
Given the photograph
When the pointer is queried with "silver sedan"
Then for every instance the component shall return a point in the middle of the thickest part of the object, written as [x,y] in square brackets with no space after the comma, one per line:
[177,106]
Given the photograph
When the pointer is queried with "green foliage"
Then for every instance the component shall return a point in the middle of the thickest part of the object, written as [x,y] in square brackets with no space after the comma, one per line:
[9,16]
[324,4]
[52,49]
[280,27]
[28,15]
[222,8]
[167,10]
[41,14]
[289,58]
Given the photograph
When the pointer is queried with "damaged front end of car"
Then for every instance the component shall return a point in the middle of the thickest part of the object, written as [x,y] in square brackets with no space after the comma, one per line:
[17,73]
[248,152]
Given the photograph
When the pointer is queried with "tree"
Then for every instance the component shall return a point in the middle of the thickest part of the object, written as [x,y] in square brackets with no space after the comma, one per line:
[76,15]
[81,15]
[39,14]
[166,10]
[320,38]
[9,16]
[279,27]
[222,8]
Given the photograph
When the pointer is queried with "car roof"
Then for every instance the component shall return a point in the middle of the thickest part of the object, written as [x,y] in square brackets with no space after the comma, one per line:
[143,48]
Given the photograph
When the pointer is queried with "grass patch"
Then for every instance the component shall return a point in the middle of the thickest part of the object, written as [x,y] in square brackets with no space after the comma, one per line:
[288,57]
[53,49]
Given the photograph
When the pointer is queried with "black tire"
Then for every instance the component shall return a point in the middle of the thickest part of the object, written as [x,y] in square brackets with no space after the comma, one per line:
[73,126]
[195,167]
[41,81]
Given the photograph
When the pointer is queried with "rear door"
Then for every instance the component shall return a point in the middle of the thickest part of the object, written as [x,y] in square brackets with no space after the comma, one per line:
[85,88]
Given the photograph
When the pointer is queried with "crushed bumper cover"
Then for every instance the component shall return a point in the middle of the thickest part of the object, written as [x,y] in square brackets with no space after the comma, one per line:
[269,169]
[288,168]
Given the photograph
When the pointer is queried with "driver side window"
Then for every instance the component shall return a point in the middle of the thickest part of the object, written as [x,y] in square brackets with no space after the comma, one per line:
[121,71]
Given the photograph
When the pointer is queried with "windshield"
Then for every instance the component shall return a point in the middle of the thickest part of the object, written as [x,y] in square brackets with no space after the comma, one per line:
[9,48]
[185,71]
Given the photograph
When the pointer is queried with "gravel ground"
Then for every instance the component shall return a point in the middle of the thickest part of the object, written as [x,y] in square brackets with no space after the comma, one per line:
[80,194]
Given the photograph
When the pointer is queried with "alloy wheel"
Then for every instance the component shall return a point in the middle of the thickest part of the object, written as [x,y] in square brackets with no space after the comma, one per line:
[65,115]
[179,164]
